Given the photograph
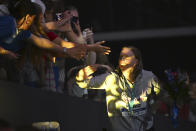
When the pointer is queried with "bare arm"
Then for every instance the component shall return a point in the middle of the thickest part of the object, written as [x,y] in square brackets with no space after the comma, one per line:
[64,43]
[75,52]
[71,36]
[91,57]
[84,78]
[8,53]
[56,25]
[46,44]
[97,47]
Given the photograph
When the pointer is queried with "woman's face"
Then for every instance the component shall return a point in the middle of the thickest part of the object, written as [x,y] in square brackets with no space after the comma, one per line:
[70,13]
[127,59]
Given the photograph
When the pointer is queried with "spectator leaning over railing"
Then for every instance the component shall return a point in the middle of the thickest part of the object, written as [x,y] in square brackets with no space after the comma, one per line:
[32,62]
[15,29]
[75,34]
[65,22]
[49,19]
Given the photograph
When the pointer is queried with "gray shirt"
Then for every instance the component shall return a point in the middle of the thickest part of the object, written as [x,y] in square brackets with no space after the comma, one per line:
[120,93]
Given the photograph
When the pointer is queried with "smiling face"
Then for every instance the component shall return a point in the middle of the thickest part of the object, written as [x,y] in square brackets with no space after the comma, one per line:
[69,14]
[127,59]
[74,13]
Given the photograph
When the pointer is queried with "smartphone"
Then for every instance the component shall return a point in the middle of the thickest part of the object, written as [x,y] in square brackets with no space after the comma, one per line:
[58,16]
[74,19]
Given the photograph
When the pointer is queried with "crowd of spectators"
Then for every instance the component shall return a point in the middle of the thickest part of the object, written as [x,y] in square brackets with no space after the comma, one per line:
[40,45]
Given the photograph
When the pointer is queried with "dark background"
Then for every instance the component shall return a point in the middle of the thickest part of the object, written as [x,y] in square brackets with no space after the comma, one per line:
[161,53]
[113,15]
[133,15]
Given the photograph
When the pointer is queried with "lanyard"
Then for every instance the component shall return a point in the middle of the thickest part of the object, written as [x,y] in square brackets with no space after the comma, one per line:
[131,102]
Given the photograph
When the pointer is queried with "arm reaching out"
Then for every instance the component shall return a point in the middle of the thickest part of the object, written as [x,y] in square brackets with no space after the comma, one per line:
[97,47]
[57,25]
[10,54]
[76,52]
[86,79]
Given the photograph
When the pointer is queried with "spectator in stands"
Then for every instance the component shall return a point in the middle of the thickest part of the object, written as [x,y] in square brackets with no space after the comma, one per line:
[32,63]
[67,28]
[11,33]
[79,37]
[96,47]
[130,91]
[4,11]
[10,38]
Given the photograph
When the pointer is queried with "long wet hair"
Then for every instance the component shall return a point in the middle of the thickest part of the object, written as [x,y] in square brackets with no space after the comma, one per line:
[138,67]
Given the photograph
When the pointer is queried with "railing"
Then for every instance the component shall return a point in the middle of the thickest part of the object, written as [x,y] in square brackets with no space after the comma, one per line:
[21,105]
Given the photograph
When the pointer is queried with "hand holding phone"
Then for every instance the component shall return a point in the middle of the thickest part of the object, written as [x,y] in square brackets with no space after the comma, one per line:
[59,16]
